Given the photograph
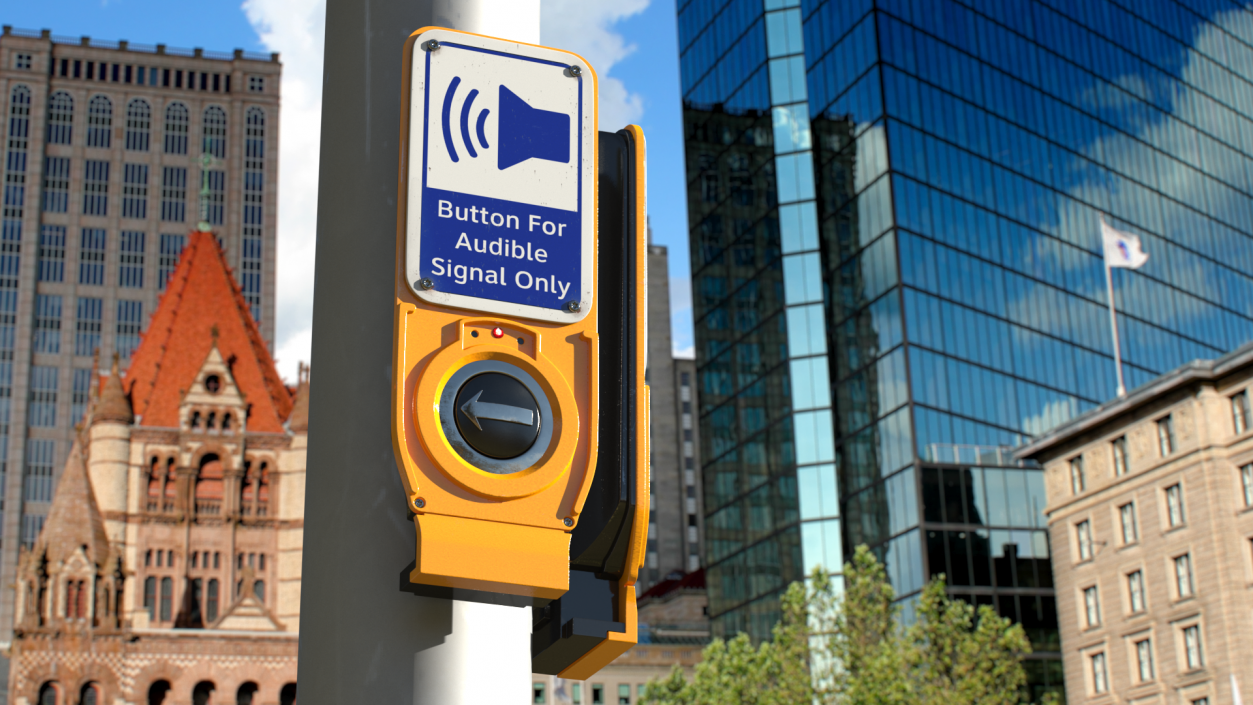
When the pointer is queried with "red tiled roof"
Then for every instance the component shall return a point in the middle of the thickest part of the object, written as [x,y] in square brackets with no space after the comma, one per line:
[690,581]
[201,301]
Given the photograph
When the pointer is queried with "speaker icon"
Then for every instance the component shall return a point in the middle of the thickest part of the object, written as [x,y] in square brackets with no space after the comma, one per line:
[522,132]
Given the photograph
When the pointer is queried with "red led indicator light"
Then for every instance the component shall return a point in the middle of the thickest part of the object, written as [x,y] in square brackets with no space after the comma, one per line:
[498,332]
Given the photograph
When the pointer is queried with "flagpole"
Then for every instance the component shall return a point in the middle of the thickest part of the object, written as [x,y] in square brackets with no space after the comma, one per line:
[1113,326]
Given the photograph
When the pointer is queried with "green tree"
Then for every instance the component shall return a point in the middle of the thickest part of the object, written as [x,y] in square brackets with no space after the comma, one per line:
[848,647]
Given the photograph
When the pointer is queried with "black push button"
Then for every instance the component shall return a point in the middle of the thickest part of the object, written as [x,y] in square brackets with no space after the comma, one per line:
[497,415]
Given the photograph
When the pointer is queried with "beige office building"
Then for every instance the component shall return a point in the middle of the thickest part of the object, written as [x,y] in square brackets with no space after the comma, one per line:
[1150,510]
[108,149]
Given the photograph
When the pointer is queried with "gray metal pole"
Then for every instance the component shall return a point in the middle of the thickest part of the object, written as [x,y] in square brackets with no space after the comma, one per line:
[362,640]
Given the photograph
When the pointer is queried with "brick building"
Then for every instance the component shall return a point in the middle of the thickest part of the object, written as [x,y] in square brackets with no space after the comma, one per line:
[169,567]
[1150,515]
[108,146]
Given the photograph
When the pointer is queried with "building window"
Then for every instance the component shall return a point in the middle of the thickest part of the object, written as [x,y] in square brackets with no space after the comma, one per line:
[537,693]
[135,191]
[1135,591]
[81,394]
[60,118]
[150,592]
[174,194]
[87,326]
[47,324]
[32,524]
[1183,575]
[131,270]
[51,253]
[130,318]
[1165,436]
[254,200]
[96,187]
[214,142]
[1119,448]
[576,694]
[171,248]
[1130,528]
[215,205]
[1174,505]
[598,694]
[22,62]
[1192,647]
[138,125]
[1100,681]
[43,396]
[1083,531]
[1077,480]
[211,598]
[1092,606]
[99,122]
[91,257]
[1201,701]
[167,598]
[176,126]
[1246,484]
[40,461]
[56,184]
[624,694]
[1240,411]
[256,84]
[1144,659]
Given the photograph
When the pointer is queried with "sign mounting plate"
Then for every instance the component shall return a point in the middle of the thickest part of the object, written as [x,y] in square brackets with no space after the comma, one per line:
[501,212]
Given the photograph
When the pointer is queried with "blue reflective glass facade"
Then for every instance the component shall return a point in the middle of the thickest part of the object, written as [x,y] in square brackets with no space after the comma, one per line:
[894,217]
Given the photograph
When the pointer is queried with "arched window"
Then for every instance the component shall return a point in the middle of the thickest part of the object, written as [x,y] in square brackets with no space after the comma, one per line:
[167,599]
[246,693]
[255,489]
[287,696]
[138,124]
[215,131]
[258,589]
[60,118]
[76,599]
[50,693]
[90,694]
[157,692]
[201,693]
[176,122]
[211,602]
[226,422]
[99,122]
[209,485]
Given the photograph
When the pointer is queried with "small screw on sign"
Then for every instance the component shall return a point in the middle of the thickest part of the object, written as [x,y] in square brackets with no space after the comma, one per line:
[430,44]
[574,71]
[426,284]
[573,306]
[568,521]
[419,503]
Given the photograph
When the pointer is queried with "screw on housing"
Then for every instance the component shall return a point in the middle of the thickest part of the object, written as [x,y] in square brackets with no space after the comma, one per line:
[568,521]
[430,44]
[419,502]
[574,71]
[573,306]
[425,284]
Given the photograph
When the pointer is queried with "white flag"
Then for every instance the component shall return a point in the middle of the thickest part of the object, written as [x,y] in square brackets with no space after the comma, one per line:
[1122,249]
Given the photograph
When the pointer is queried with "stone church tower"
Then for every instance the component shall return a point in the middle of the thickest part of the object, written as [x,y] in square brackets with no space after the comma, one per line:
[168,570]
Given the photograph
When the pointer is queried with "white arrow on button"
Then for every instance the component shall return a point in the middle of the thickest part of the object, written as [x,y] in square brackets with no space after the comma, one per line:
[475,410]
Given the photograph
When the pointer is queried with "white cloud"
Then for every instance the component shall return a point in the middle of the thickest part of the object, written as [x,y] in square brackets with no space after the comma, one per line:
[295,29]
[585,27]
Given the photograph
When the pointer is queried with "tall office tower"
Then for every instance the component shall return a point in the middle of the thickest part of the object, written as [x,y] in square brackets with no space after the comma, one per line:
[675,517]
[114,153]
[897,269]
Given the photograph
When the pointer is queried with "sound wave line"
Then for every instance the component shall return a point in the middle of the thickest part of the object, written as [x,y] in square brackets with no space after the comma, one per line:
[479,128]
[465,122]
[445,113]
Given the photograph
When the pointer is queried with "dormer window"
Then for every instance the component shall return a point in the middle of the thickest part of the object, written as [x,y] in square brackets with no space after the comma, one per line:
[213,384]
[226,422]
[212,422]
[195,419]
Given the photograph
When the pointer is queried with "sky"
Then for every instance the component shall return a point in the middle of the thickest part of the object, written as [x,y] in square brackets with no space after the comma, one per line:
[632,44]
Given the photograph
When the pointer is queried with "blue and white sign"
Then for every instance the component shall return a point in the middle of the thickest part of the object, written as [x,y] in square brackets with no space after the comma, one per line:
[502,175]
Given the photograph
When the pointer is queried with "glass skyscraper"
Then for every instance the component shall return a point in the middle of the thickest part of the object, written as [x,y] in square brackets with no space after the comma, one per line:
[894,212]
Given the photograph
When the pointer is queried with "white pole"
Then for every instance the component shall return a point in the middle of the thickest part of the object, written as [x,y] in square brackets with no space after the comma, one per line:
[1113,327]
[508,19]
